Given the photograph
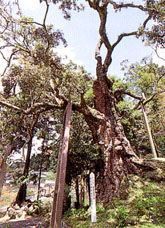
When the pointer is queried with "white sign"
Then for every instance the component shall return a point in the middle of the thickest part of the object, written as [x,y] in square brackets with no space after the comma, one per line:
[93,197]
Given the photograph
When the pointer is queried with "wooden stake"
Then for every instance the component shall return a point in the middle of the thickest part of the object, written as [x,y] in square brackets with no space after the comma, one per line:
[61,171]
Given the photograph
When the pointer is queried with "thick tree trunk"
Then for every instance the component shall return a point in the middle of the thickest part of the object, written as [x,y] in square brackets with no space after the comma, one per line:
[108,132]
[21,195]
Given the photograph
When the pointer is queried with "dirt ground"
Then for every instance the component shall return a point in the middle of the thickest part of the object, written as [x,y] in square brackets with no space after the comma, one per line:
[30,222]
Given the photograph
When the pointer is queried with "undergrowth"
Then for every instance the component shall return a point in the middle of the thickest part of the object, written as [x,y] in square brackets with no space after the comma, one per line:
[142,207]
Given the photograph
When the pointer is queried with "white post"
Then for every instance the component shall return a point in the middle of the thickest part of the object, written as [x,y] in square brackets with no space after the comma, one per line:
[93,197]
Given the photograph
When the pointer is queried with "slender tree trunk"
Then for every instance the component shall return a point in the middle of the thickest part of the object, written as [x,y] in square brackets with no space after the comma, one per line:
[149,130]
[2,175]
[77,204]
[40,169]
[3,165]
[81,191]
[39,176]
[88,189]
[21,195]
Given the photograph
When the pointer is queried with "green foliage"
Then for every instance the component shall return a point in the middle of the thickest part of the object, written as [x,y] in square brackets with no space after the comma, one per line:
[144,206]
[100,208]
[82,214]
[82,153]
[149,78]
[37,207]
[145,77]
[151,205]
[121,216]
[155,35]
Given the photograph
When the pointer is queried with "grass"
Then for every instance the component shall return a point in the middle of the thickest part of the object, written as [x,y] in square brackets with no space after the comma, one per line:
[7,197]
[142,207]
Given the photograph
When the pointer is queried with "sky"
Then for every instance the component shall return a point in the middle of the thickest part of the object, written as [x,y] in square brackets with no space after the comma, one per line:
[81,33]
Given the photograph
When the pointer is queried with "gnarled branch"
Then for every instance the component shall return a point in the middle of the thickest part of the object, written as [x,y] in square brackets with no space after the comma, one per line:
[126,5]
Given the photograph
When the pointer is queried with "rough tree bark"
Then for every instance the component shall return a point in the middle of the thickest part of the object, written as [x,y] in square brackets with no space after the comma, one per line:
[117,151]
[106,127]
[21,195]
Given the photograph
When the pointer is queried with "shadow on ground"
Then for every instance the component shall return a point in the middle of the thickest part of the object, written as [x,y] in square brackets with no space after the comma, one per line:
[22,223]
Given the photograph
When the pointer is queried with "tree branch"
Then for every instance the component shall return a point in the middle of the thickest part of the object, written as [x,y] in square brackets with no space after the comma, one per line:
[46,13]
[126,92]
[5,104]
[135,33]
[153,95]
[126,5]
[102,30]
[31,22]
[146,20]
[9,60]
[156,82]
[37,108]
[97,51]
[156,51]
[121,36]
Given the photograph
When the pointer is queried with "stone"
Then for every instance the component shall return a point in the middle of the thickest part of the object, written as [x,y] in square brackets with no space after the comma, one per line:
[11,213]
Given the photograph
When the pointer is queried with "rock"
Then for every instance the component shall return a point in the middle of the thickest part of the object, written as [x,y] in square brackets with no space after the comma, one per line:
[11,213]
[24,215]
[19,213]
[25,208]
[4,219]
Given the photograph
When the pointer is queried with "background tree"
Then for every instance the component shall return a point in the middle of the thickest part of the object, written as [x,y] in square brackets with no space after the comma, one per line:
[148,78]
[12,138]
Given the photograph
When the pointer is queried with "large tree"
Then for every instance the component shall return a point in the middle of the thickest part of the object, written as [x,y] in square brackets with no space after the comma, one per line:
[104,121]
[101,116]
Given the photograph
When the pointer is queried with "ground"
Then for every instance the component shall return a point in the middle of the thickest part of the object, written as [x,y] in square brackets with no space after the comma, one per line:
[28,222]
[142,205]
